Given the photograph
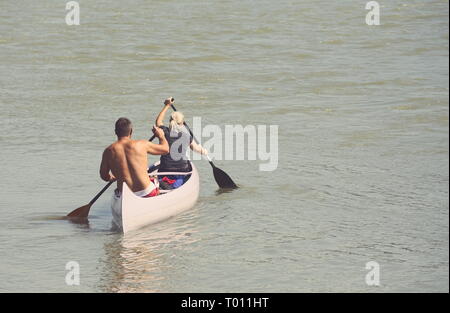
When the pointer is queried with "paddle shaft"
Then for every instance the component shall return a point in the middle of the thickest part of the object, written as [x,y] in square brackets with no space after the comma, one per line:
[101,192]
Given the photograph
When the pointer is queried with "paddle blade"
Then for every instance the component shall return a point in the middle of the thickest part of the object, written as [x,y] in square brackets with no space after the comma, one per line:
[81,212]
[222,178]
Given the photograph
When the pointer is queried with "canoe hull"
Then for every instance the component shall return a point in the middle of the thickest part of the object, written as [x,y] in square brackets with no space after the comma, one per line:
[131,212]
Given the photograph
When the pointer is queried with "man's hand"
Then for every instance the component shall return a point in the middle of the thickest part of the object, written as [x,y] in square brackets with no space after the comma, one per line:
[158,132]
[169,101]
[163,146]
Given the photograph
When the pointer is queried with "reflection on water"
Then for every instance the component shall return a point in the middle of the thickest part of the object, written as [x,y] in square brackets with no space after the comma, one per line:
[224,190]
[138,261]
[82,222]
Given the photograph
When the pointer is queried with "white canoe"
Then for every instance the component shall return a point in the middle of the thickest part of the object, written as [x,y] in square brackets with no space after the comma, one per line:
[131,212]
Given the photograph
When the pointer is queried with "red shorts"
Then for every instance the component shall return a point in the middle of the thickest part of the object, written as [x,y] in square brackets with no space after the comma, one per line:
[154,192]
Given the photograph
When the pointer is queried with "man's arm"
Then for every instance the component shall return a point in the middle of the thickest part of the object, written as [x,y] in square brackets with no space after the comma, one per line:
[162,114]
[162,147]
[105,168]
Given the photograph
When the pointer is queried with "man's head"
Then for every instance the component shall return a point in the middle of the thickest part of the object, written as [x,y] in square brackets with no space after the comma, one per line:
[123,127]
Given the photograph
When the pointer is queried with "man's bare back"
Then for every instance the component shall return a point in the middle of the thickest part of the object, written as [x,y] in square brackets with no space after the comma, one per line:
[126,159]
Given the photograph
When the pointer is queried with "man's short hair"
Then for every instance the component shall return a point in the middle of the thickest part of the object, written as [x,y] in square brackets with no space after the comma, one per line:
[123,127]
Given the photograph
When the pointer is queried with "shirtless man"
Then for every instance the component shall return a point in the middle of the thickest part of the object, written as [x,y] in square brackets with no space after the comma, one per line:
[126,159]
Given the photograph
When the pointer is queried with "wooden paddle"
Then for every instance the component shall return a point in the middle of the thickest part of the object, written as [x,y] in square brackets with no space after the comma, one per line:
[83,212]
[222,178]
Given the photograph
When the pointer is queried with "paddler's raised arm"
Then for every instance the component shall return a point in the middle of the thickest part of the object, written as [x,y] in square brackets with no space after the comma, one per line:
[162,147]
[160,118]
